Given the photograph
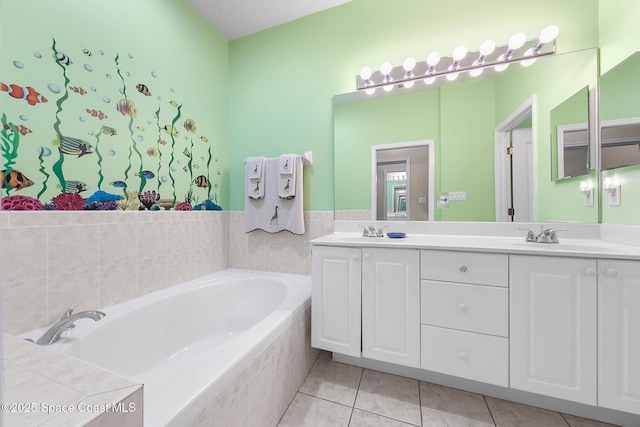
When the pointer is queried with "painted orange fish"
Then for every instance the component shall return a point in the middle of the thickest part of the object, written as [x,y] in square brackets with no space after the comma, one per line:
[23,130]
[14,179]
[27,93]
[97,113]
[77,89]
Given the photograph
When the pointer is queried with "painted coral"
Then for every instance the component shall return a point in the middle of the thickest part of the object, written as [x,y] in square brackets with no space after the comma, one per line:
[69,201]
[20,203]
[183,206]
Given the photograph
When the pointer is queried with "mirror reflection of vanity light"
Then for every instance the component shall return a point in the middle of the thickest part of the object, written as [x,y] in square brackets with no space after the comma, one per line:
[586,188]
[611,186]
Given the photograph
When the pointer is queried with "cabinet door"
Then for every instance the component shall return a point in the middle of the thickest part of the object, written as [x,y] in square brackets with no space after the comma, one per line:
[619,335]
[391,305]
[335,297]
[553,327]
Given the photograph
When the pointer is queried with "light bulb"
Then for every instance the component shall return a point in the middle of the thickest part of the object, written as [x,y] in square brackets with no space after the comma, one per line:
[517,40]
[503,66]
[549,34]
[409,84]
[530,61]
[429,80]
[370,91]
[365,73]
[459,53]
[487,47]
[475,72]
[433,58]
[409,64]
[452,76]
[387,88]
[386,68]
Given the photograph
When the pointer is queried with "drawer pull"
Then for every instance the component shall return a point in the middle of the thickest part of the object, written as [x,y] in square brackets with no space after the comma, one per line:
[463,355]
[463,269]
[611,272]
[366,256]
[462,307]
[355,257]
[590,272]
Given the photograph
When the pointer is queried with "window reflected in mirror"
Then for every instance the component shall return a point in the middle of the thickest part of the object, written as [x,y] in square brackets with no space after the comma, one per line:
[570,136]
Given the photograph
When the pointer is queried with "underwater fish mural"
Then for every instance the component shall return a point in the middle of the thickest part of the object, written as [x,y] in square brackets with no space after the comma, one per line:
[140,128]
[118,184]
[163,142]
[186,152]
[143,89]
[23,130]
[74,146]
[153,152]
[14,179]
[62,59]
[77,89]
[97,113]
[173,102]
[74,187]
[170,130]
[27,93]
[146,174]
[109,131]
[127,107]
[202,181]
[204,138]
[86,52]
[190,125]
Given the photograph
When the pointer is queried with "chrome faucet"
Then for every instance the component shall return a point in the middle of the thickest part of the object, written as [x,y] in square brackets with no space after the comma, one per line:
[66,323]
[371,231]
[548,235]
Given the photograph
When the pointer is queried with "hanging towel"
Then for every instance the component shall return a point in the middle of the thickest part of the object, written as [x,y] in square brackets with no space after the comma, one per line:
[287,182]
[273,214]
[287,164]
[255,177]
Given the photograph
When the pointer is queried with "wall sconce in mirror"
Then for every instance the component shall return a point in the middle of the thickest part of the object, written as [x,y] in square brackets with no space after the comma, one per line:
[586,188]
[489,58]
[611,186]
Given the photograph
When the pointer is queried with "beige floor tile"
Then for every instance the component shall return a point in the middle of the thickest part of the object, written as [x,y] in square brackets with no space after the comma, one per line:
[511,414]
[447,407]
[333,381]
[583,422]
[325,355]
[389,395]
[309,411]
[366,419]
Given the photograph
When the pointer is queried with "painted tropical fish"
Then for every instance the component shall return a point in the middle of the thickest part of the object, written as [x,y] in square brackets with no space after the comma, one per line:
[127,106]
[146,174]
[186,152]
[63,59]
[140,128]
[204,138]
[74,187]
[163,142]
[77,89]
[153,152]
[86,52]
[109,131]
[118,184]
[173,102]
[27,93]
[143,89]
[14,179]
[74,146]
[202,181]
[20,128]
[171,130]
[190,125]
[97,113]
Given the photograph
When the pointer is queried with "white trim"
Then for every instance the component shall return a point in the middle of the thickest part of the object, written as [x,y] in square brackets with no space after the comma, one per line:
[501,142]
[430,144]
[560,130]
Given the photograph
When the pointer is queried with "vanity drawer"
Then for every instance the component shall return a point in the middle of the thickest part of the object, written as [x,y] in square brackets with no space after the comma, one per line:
[474,308]
[465,267]
[468,355]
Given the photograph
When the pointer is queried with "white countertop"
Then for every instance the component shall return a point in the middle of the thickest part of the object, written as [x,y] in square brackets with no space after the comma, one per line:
[570,247]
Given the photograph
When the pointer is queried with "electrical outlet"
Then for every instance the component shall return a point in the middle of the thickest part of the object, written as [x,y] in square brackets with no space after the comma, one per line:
[457,195]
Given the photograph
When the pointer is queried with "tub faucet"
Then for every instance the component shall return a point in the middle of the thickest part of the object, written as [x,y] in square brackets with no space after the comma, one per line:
[66,323]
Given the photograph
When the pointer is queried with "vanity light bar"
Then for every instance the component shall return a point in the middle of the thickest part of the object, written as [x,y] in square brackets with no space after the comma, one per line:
[489,57]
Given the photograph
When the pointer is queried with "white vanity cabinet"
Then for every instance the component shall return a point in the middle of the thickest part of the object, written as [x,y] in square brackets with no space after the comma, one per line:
[336,297]
[619,335]
[465,315]
[553,336]
[391,305]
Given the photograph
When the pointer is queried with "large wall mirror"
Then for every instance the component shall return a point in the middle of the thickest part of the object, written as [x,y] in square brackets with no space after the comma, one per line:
[462,119]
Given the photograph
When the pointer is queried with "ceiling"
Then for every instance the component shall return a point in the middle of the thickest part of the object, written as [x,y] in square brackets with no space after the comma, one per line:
[237,18]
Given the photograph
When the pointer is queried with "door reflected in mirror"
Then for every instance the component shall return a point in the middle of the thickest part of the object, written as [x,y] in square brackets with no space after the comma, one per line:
[570,147]
[620,143]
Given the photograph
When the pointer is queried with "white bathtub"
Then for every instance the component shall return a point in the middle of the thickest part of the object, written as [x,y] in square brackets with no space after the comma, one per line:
[187,342]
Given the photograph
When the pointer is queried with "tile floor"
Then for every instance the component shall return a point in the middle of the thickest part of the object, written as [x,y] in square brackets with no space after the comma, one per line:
[335,394]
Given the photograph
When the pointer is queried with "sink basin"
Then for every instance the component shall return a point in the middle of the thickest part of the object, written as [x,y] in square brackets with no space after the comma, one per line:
[573,245]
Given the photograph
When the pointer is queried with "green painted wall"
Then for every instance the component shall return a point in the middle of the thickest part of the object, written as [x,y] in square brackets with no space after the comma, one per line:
[283,79]
[112,47]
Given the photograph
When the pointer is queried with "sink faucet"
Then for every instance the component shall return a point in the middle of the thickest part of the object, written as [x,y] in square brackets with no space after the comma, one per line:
[371,231]
[548,235]
[66,323]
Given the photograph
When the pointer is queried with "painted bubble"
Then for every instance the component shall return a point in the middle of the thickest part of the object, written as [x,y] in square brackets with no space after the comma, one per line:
[91,133]
[18,64]
[23,117]
[54,88]
[37,54]
[45,151]
[149,122]
[173,168]
[159,98]
[140,138]
[171,89]
[163,178]
[111,152]
[131,55]
[154,74]
[216,185]
[100,52]
[108,76]
[88,67]
[219,173]
[121,91]
[106,99]
[202,158]
[128,74]
[93,89]
[81,118]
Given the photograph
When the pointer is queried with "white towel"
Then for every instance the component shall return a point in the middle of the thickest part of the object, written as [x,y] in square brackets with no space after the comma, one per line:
[273,214]
[287,164]
[287,182]
[255,177]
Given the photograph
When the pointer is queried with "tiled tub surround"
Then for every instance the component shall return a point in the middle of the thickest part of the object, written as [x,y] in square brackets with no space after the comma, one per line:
[64,392]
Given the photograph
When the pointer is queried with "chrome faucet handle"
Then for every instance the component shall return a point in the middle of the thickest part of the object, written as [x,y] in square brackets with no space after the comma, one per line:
[365,230]
[380,232]
[549,235]
[531,236]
